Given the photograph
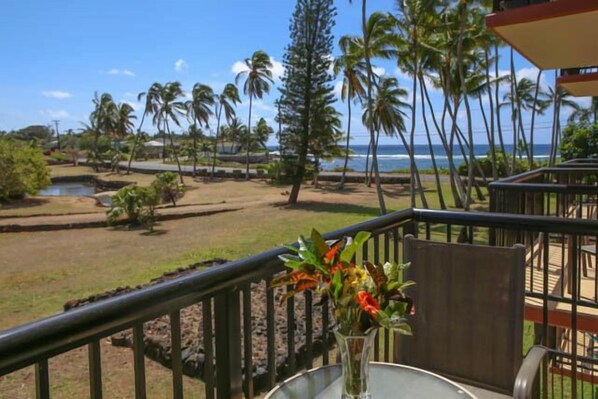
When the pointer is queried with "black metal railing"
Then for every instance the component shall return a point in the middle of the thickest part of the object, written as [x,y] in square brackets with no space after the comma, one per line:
[225,295]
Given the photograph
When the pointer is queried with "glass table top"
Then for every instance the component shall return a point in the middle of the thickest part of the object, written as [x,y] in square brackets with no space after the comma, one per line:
[386,381]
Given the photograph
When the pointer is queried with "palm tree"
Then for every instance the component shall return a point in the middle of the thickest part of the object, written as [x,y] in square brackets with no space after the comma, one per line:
[586,115]
[560,97]
[103,120]
[258,78]
[170,108]
[225,102]
[353,69]
[199,110]
[125,114]
[370,77]
[150,108]
[235,131]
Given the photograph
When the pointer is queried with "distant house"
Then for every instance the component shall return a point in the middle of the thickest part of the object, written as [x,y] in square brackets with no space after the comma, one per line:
[153,148]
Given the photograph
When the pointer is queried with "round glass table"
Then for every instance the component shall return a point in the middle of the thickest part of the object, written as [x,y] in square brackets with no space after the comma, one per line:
[386,381]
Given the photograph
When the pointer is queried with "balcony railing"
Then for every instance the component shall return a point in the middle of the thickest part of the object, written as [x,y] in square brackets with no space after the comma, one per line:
[561,312]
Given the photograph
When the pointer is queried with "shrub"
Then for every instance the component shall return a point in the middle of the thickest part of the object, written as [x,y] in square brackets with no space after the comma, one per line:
[167,187]
[22,170]
[580,140]
[486,165]
[137,203]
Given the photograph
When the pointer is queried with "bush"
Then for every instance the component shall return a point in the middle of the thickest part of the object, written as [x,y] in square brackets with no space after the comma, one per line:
[137,203]
[486,165]
[167,187]
[22,170]
[580,140]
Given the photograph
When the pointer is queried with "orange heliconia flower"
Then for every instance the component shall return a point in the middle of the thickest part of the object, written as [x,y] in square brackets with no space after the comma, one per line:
[367,302]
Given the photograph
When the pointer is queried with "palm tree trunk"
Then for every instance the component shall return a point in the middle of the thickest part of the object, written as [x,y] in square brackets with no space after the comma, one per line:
[371,172]
[194,154]
[553,141]
[490,100]
[413,113]
[498,121]
[342,183]
[248,140]
[431,148]
[135,143]
[367,165]
[216,144]
[176,156]
[366,53]
[534,108]
[513,115]
[95,151]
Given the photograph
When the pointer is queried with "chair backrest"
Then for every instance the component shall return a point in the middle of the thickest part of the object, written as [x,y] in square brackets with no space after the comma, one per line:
[469,303]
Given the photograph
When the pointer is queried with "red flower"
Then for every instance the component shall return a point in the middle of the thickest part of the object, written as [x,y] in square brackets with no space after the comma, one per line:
[367,302]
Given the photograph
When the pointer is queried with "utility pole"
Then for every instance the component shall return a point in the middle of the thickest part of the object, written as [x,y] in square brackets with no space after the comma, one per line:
[56,122]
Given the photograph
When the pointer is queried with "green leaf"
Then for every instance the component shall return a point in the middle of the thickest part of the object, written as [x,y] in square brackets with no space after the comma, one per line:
[319,243]
[356,243]
[337,284]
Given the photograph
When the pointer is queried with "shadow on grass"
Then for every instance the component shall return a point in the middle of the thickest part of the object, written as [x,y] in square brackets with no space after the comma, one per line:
[318,206]
[24,203]
[154,233]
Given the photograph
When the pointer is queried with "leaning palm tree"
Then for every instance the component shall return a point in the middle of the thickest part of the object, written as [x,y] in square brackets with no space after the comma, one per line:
[199,110]
[353,70]
[150,108]
[226,102]
[170,107]
[370,77]
[258,78]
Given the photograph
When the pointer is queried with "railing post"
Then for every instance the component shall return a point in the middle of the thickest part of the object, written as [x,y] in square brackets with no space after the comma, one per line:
[227,317]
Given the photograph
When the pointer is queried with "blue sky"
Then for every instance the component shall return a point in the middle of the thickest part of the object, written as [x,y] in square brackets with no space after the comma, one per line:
[57,53]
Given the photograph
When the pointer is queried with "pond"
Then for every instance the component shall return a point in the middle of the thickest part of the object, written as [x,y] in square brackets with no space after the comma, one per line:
[71,189]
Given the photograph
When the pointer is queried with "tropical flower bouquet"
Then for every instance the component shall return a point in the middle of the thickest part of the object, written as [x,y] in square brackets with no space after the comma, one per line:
[364,297]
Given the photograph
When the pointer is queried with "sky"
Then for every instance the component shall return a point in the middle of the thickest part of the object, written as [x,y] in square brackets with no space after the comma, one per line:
[56,54]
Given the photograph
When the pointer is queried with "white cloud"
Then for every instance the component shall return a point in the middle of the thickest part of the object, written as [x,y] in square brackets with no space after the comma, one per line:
[338,87]
[59,94]
[180,65]
[136,106]
[380,71]
[277,68]
[55,114]
[115,71]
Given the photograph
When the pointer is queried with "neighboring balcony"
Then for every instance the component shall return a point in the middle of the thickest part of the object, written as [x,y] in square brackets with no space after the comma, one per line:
[579,82]
[550,34]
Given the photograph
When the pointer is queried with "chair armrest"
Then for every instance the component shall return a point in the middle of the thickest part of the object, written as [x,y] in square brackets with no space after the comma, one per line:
[524,382]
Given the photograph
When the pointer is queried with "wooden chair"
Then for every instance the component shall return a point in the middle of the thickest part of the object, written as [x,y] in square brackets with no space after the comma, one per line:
[468,325]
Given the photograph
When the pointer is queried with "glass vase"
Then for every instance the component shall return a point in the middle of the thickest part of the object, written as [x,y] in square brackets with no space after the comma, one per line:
[355,355]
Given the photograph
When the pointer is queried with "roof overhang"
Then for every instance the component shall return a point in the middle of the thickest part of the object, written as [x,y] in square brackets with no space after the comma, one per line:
[582,85]
[552,35]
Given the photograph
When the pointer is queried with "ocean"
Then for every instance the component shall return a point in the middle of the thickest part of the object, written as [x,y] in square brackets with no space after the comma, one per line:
[394,157]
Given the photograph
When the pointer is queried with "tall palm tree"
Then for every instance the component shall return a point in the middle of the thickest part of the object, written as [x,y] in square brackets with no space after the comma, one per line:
[353,70]
[370,77]
[560,98]
[225,102]
[199,110]
[258,78]
[170,107]
[151,106]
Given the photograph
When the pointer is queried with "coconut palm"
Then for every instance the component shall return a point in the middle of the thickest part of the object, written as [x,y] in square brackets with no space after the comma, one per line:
[199,110]
[586,114]
[353,70]
[125,115]
[225,102]
[258,78]
[560,98]
[170,107]
[370,77]
[103,120]
[151,106]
